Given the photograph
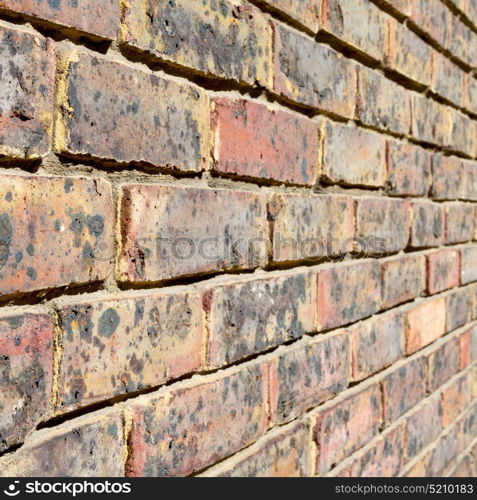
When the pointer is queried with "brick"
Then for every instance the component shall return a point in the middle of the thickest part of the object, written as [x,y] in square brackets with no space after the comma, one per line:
[165,124]
[26,102]
[425,323]
[403,388]
[470,93]
[347,293]
[448,178]
[89,446]
[281,454]
[54,231]
[458,306]
[465,349]
[443,362]
[382,103]
[464,468]
[423,426]
[353,156]
[427,224]
[468,265]
[228,39]
[346,426]
[26,374]
[327,83]
[467,427]
[376,344]
[384,219]
[255,315]
[114,345]
[434,22]
[403,279]
[189,428]
[170,231]
[448,79]
[309,374]
[408,54]
[99,18]
[409,169]
[463,133]
[306,227]
[469,181]
[443,270]
[254,140]
[306,12]
[459,222]
[455,398]
[367,36]
[431,120]
[461,40]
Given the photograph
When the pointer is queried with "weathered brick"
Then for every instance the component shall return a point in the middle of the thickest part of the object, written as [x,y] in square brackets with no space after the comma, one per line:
[346,426]
[307,375]
[188,428]
[353,156]
[89,446]
[403,388]
[461,40]
[27,85]
[434,22]
[384,219]
[170,231]
[54,231]
[443,270]
[313,74]
[96,17]
[253,140]
[409,169]
[403,279]
[115,345]
[443,362]
[469,180]
[431,120]
[306,227]
[468,264]
[427,224]
[460,222]
[465,349]
[463,133]
[165,124]
[470,93]
[280,454]
[229,39]
[423,426]
[368,35]
[467,426]
[448,178]
[26,374]
[425,323]
[448,79]
[382,103]
[376,343]
[305,12]
[455,398]
[348,292]
[251,316]
[458,305]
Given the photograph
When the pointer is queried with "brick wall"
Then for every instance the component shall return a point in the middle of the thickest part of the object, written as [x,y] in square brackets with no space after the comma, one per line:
[238,238]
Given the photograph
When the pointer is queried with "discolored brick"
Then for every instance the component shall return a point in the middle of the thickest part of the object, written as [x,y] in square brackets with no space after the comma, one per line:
[431,121]
[427,224]
[460,222]
[448,178]
[455,398]
[443,270]
[448,79]
[443,362]
[434,22]
[305,12]
[459,306]
[468,264]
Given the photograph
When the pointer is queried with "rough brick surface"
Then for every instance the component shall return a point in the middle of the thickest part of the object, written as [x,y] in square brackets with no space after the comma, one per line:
[443,270]
[443,363]
[427,224]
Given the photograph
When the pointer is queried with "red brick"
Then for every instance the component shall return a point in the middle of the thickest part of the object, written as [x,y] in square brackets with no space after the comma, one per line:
[346,426]
[382,103]
[254,140]
[248,317]
[409,169]
[309,374]
[353,156]
[306,227]
[385,219]
[443,362]
[188,428]
[96,17]
[427,224]
[26,110]
[423,426]
[468,263]
[459,306]
[463,133]
[465,349]
[113,345]
[455,398]
[403,279]
[54,231]
[347,293]
[443,270]
[229,39]
[448,180]
[403,388]
[460,222]
[448,79]
[305,12]
[26,374]
[425,323]
[170,231]
[156,120]
[434,22]
[89,446]
[376,343]
[313,74]
[280,454]
[431,121]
